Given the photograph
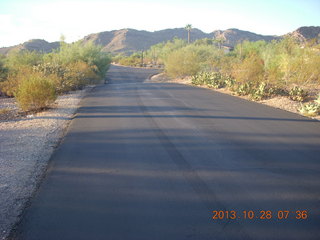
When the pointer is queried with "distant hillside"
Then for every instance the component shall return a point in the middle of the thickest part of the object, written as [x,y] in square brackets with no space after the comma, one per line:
[232,37]
[305,33]
[32,45]
[130,40]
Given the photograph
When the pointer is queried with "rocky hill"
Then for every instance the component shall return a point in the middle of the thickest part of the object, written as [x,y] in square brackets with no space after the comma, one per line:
[305,33]
[32,45]
[233,36]
[130,40]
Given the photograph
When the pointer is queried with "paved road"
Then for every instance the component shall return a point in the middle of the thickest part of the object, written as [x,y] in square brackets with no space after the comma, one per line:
[145,160]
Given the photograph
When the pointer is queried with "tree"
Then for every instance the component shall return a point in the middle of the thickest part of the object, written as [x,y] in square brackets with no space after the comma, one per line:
[219,41]
[188,28]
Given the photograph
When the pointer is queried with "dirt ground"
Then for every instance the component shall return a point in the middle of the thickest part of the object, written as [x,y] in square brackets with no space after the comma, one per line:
[26,144]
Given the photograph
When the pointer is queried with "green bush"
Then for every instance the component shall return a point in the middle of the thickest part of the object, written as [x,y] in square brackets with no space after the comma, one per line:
[197,79]
[317,101]
[133,60]
[310,109]
[297,94]
[182,63]
[215,80]
[34,78]
[228,81]
[251,69]
[76,76]
[262,91]
[211,79]
[89,53]
[10,86]
[3,69]
[158,54]
[16,60]
[35,92]
[190,60]
[243,89]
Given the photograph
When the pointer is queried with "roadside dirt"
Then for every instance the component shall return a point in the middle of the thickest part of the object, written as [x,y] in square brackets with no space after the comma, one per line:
[27,142]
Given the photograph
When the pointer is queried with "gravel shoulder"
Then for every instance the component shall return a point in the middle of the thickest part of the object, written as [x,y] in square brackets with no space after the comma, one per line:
[280,102]
[26,144]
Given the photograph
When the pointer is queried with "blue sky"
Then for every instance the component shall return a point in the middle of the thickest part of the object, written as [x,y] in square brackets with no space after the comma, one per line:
[21,20]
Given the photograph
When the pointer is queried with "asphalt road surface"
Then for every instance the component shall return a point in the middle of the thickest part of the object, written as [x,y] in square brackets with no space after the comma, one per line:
[144,160]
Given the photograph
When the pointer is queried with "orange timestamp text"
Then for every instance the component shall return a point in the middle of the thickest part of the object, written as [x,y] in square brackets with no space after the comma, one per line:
[260,214]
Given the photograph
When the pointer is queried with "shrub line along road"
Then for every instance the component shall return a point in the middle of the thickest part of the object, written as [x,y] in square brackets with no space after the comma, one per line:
[145,160]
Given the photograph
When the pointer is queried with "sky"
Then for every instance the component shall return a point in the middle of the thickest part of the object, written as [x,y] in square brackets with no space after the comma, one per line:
[22,20]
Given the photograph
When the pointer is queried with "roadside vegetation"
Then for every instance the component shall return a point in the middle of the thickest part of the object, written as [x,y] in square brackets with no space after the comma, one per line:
[260,70]
[35,79]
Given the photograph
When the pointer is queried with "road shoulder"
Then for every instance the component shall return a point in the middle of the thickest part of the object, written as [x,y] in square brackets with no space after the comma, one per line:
[27,143]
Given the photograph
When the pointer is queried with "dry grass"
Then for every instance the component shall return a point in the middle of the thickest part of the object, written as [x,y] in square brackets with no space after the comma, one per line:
[4,110]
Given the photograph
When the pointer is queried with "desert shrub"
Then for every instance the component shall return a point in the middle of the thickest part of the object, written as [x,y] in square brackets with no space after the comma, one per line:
[317,101]
[243,89]
[34,78]
[274,74]
[133,60]
[246,48]
[51,68]
[181,63]
[159,53]
[89,53]
[117,57]
[101,64]
[304,67]
[3,69]
[251,69]
[71,76]
[310,109]
[14,67]
[10,86]
[76,76]
[297,94]
[262,91]
[92,55]
[200,78]
[35,92]
[190,60]
[197,79]
[211,79]
[5,110]
[229,81]
[21,59]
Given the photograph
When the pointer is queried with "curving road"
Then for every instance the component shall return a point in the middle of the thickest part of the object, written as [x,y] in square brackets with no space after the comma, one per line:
[144,160]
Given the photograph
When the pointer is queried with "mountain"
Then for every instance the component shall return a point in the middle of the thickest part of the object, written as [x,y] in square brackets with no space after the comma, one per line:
[305,33]
[32,45]
[131,40]
[233,36]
